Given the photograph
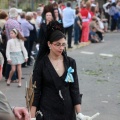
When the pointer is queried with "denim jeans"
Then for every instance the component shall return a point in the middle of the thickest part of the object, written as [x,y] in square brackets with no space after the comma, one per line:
[77,35]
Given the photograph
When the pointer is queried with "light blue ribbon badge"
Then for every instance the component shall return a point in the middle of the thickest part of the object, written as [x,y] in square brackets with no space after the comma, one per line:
[69,77]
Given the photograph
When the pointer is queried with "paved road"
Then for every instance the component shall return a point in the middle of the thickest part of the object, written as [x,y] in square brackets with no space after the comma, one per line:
[98,71]
[99,77]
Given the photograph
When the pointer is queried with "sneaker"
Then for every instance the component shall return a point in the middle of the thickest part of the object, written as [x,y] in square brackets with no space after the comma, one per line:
[102,40]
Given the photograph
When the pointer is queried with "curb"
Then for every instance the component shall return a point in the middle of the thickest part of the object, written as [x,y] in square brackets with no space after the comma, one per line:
[83,44]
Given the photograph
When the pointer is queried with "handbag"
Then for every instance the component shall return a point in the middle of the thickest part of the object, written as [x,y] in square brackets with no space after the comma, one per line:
[29,96]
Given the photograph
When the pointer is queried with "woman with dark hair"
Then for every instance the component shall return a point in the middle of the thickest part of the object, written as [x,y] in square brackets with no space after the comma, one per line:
[47,17]
[57,93]
[57,15]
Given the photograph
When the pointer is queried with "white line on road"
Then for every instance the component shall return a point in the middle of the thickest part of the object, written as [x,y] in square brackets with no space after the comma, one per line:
[89,53]
[106,55]
[101,54]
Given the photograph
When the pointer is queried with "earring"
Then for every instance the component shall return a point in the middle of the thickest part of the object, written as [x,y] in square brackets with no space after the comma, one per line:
[49,47]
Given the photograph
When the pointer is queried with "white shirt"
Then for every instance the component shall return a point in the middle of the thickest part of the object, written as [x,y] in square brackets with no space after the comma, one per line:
[15,45]
[68,17]
[38,21]
[87,19]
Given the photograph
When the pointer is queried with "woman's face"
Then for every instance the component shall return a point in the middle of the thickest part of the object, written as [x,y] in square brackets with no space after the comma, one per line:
[57,47]
[56,13]
[49,16]
[12,34]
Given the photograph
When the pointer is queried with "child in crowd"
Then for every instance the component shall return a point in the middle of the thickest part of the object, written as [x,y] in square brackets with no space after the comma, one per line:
[1,64]
[16,54]
[93,35]
[77,28]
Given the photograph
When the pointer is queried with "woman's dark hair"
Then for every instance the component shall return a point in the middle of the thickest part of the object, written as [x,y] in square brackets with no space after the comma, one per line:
[92,9]
[22,15]
[54,33]
[76,11]
[58,14]
[3,14]
[47,8]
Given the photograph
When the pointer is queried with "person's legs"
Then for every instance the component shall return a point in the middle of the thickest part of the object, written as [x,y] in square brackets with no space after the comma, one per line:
[99,35]
[19,70]
[26,43]
[7,71]
[113,24]
[70,36]
[85,32]
[30,49]
[75,35]
[13,68]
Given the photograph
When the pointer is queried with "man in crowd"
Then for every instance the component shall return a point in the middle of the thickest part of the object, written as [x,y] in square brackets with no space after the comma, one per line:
[8,113]
[68,21]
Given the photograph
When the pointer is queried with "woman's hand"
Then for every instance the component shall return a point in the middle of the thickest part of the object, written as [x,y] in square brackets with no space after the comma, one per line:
[9,61]
[21,113]
[26,60]
[33,111]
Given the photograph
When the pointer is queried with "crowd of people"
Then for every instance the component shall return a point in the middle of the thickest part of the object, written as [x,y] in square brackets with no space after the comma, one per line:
[87,22]
[46,29]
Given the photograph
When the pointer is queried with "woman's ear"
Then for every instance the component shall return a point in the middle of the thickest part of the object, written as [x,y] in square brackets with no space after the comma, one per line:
[49,44]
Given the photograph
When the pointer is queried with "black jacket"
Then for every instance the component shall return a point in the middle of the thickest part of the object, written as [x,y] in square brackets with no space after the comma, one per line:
[50,87]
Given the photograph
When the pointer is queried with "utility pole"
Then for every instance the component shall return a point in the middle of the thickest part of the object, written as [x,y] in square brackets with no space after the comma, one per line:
[32,4]
[16,3]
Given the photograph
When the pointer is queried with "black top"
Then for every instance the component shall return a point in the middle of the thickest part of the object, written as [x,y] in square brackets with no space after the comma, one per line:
[53,96]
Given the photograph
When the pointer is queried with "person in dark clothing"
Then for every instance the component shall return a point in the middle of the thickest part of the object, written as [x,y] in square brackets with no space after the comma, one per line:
[57,93]
[77,28]
[32,37]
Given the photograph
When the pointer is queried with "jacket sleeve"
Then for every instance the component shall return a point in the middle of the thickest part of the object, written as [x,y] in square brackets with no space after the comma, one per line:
[74,87]
[37,77]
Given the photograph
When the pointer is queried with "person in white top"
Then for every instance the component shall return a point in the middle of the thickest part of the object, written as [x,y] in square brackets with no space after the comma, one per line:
[16,54]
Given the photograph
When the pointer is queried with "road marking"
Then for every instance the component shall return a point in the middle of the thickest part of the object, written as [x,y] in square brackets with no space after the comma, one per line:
[101,54]
[89,53]
[106,55]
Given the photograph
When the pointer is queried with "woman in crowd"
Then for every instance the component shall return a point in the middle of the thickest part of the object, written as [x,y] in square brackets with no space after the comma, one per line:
[57,15]
[47,17]
[85,22]
[57,91]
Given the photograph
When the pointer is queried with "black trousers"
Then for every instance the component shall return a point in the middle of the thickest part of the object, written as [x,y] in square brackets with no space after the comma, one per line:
[99,35]
[27,46]
[113,23]
[68,30]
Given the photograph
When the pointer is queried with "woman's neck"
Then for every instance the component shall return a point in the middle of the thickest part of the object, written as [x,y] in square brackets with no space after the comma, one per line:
[54,57]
